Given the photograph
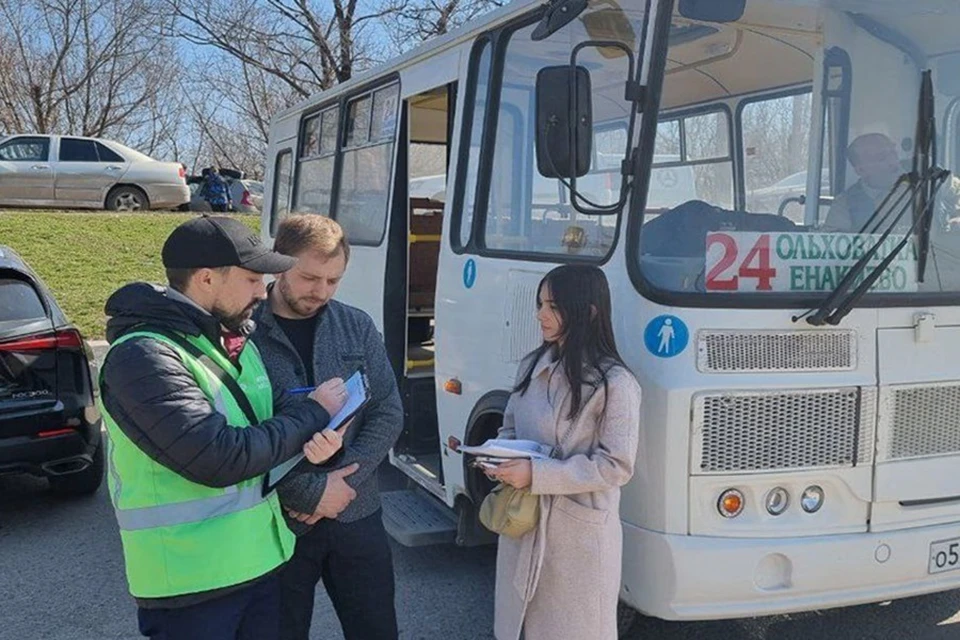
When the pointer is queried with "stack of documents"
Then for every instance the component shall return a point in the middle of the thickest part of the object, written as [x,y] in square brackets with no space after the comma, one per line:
[493,452]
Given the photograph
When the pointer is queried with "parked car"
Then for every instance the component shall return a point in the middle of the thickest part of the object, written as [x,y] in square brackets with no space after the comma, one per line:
[89,173]
[49,421]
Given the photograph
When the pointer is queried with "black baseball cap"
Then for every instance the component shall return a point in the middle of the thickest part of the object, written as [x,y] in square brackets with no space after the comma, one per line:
[217,241]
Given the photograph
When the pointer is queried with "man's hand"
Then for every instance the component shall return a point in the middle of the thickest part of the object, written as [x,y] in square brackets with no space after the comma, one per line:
[304,517]
[331,395]
[322,446]
[336,496]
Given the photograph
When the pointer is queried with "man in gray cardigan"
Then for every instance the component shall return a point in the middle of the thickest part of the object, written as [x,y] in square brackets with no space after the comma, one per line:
[304,335]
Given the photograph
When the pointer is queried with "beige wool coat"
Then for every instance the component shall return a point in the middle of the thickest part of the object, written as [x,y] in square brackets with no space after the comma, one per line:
[561,581]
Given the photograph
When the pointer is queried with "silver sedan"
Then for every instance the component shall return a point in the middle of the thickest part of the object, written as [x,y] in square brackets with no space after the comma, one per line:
[89,173]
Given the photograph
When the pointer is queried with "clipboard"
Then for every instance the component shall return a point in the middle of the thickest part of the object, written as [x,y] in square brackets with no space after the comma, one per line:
[358,397]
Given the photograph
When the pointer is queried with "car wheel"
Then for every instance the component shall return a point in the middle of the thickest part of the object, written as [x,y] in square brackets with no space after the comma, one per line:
[82,483]
[127,199]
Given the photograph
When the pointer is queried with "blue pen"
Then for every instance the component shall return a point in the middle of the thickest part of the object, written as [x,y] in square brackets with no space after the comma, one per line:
[301,390]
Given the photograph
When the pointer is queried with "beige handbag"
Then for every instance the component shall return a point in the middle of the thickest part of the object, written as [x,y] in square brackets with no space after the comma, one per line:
[510,512]
[514,512]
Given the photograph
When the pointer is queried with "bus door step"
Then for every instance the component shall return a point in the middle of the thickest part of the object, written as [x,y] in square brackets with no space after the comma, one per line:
[415,519]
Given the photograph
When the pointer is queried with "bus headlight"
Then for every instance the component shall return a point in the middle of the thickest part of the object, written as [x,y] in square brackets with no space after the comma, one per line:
[777,501]
[812,499]
[730,503]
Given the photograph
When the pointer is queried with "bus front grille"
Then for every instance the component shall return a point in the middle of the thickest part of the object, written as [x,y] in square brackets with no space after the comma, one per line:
[919,421]
[731,351]
[777,430]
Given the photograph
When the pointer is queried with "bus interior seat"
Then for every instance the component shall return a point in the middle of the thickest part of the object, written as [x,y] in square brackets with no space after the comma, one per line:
[426,222]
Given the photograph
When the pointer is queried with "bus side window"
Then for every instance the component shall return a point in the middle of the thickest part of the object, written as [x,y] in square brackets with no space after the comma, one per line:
[318,152]
[282,179]
[527,212]
[476,100]
[367,164]
[776,147]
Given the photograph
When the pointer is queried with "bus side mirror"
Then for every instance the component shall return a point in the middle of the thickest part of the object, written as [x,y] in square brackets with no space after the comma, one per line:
[557,15]
[564,122]
[713,10]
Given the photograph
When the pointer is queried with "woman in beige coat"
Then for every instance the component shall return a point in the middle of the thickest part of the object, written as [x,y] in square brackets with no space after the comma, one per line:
[561,580]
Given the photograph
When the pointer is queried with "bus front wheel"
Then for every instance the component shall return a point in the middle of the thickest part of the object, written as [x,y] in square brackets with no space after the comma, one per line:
[627,618]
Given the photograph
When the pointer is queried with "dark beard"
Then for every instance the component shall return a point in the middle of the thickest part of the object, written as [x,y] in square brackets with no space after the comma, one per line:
[237,322]
[291,302]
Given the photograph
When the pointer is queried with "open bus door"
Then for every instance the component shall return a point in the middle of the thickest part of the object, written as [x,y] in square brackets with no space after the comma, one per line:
[414,516]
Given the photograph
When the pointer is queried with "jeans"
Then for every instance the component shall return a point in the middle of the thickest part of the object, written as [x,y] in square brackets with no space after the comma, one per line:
[252,613]
[355,563]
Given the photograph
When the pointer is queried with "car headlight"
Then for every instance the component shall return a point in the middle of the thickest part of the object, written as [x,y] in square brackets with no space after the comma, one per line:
[777,501]
[812,499]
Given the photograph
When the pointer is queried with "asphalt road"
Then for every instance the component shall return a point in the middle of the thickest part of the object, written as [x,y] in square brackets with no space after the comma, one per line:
[61,578]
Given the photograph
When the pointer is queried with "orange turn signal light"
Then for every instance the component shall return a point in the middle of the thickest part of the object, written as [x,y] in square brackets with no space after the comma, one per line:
[453,386]
[730,504]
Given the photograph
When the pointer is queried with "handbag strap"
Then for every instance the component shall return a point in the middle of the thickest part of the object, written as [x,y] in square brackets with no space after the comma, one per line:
[557,451]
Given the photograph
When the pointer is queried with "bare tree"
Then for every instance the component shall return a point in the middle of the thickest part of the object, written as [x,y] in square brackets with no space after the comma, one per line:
[267,55]
[83,67]
[421,20]
[225,138]
[309,45]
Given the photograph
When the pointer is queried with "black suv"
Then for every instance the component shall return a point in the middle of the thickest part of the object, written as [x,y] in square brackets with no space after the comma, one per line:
[49,421]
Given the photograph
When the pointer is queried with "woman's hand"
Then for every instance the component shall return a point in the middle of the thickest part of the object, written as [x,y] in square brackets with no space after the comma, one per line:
[322,446]
[516,473]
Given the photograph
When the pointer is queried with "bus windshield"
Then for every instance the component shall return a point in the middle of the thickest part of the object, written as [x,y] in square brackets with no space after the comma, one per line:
[793,127]
[524,212]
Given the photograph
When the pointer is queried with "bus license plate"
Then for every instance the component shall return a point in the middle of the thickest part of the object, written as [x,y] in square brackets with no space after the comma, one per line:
[944,556]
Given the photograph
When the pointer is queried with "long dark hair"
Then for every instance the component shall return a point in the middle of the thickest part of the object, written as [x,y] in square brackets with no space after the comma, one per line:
[588,350]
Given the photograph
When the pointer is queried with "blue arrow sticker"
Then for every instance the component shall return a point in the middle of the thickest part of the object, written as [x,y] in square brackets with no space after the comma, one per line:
[470,273]
[666,336]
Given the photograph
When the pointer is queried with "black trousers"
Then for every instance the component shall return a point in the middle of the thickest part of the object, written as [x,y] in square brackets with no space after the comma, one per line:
[252,613]
[219,208]
[355,563]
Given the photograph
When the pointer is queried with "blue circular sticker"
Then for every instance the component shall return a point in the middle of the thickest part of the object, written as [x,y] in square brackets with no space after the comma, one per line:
[469,273]
[666,336]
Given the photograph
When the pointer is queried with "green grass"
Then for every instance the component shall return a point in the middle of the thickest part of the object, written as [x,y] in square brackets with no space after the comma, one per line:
[85,256]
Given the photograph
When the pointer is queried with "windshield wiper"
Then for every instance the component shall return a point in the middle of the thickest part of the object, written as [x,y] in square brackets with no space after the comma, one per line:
[934,180]
[924,181]
[818,315]
[925,156]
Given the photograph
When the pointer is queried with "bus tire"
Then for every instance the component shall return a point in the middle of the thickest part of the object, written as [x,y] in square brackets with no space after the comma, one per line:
[484,422]
[627,618]
[470,531]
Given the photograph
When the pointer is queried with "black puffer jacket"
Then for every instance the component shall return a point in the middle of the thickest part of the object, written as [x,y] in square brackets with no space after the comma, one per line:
[156,402]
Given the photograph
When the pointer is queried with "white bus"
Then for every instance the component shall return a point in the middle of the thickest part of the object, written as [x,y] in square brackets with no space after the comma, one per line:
[787,462]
